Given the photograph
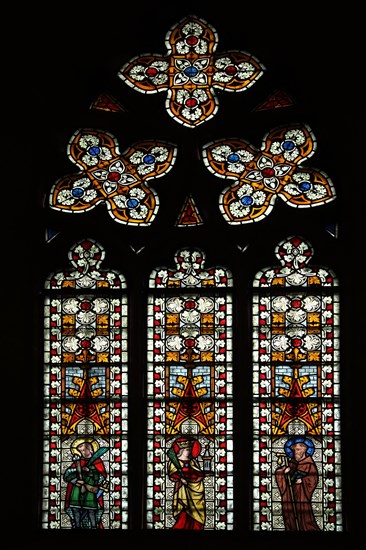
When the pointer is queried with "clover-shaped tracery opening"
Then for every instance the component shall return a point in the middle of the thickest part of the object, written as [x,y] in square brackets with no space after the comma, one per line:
[199,70]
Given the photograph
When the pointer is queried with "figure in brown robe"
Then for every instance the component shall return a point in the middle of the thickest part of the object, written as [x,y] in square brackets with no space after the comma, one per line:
[296,480]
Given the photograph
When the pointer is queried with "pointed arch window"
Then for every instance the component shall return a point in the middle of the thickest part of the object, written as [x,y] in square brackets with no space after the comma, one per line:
[85,394]
[189,396]
[296,393]
[178,473]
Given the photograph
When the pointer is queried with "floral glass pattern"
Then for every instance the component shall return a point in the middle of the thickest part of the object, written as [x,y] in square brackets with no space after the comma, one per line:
[85,395]
[260,176]
[189,393]
[296,394]
[190,72]
[119,181]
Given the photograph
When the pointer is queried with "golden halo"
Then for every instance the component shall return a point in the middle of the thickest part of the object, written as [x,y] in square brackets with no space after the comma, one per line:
[84,439]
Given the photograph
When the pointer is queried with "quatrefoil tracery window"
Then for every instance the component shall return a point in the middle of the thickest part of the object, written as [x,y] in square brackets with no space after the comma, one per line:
[190,72]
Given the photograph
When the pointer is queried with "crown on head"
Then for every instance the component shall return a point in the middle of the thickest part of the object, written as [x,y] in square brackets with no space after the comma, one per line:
[184,443]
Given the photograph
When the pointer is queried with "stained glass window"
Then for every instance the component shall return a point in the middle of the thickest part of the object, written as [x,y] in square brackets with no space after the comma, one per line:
[259,177]
[85,394]
[191,71]
[189,392]
[106,176]
[189,215]
[296,392]
[185,341]
[276,100]
[106,102]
